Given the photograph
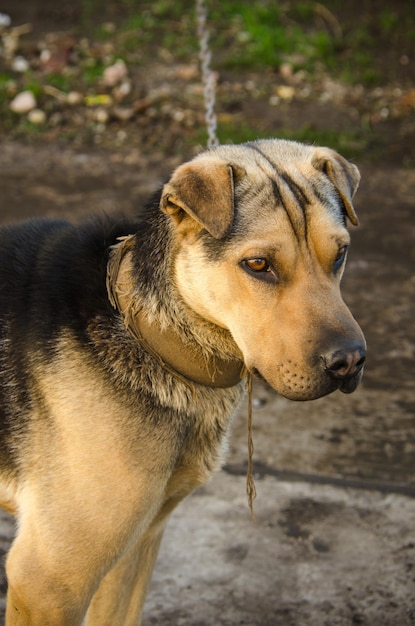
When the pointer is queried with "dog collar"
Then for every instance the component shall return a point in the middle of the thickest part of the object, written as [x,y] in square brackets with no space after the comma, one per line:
[185,361]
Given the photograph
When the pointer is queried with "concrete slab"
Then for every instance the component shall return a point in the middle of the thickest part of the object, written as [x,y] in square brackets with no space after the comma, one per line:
[316,555]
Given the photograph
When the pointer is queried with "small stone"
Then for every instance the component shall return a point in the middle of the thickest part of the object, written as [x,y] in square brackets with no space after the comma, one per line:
[285,92]
[187,72]
[178,115]
[121,136]
[115,73]
[274,101]
[45,56]
[123,113]
[5,20]
[20,64]
[101,116]
[286,70]
[109,27]
[74,98]
[259,402]
[23,102]
[37,117]
[121,91]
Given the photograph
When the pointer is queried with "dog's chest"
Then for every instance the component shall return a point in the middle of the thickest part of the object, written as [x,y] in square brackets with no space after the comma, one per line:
[203,445]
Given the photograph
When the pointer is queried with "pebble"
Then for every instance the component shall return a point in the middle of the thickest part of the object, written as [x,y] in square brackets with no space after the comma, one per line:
[37,117]
[121,91]
[23,102]
[286,70]
[101,116]
[109,27]
[187,72]
[5,20]
[74,98]
[115,73]
[20,64]
[285,92]
[123,113]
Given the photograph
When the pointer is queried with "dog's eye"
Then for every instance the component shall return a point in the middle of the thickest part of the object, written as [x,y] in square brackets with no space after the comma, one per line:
[339,260]
[258,265]
[260,268]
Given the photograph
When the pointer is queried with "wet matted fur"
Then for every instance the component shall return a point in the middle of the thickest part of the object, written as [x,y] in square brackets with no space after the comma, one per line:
[124,350]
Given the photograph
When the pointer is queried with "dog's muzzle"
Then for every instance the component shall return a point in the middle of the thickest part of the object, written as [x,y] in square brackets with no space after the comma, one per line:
[345,366]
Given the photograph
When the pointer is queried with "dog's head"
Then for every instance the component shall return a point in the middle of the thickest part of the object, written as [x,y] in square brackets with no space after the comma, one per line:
[261,247]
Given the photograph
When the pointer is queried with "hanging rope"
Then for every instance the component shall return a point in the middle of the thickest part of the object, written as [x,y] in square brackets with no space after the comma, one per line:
[208,77]
[250,482]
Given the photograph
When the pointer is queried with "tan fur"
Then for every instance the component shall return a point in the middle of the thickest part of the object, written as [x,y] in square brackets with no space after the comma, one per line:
[99,473]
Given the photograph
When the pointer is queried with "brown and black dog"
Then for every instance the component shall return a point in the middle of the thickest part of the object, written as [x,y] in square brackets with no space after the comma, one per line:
[124,350]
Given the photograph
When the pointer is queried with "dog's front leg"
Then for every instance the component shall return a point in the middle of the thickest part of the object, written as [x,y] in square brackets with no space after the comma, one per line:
[57,561]
[121,594]
[37,597]
[20,613]
[51,582]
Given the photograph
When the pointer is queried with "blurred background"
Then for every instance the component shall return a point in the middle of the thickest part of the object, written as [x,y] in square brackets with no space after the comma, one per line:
[338,73]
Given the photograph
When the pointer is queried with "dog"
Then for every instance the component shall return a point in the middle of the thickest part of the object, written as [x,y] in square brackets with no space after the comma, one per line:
[125,347]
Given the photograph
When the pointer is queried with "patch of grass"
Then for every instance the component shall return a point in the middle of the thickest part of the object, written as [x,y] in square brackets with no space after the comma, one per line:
[264,34]
[4,79]
[388,21]
[63,82]
[34,85]
[4,92]
[92,72]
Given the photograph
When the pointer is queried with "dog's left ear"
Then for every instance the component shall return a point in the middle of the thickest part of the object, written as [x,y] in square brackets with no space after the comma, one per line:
[344,175]
[203,189]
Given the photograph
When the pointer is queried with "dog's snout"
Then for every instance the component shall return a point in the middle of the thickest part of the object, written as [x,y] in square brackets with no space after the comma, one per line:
[345,363]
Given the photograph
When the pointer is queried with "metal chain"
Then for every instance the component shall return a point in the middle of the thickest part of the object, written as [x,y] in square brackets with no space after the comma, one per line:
[208,77]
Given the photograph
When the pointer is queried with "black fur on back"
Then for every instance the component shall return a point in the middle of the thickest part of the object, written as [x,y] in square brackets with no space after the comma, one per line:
[52,279]
[52,275]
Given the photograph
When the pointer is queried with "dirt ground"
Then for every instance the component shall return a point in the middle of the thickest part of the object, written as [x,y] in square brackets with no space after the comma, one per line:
[334,537]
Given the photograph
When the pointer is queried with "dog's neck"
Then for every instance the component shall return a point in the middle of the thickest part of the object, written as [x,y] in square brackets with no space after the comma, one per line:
[184,360]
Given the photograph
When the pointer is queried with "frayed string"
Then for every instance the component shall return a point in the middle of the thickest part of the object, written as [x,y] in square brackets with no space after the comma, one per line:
[250,483]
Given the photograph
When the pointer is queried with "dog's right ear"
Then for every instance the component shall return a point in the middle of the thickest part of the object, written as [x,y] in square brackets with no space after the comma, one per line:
[203,189]
[344,175]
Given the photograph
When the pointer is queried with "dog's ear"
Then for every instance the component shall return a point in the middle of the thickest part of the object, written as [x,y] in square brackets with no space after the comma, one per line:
[203,189]
[344,175]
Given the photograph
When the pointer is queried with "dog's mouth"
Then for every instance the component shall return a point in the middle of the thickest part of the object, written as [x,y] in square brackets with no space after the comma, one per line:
[312,390]
[320,388]
[258,374]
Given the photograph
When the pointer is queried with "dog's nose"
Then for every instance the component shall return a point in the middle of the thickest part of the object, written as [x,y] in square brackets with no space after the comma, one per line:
[345,363]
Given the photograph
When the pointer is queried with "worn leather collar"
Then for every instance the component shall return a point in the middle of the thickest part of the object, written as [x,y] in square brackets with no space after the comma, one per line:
[185,361]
